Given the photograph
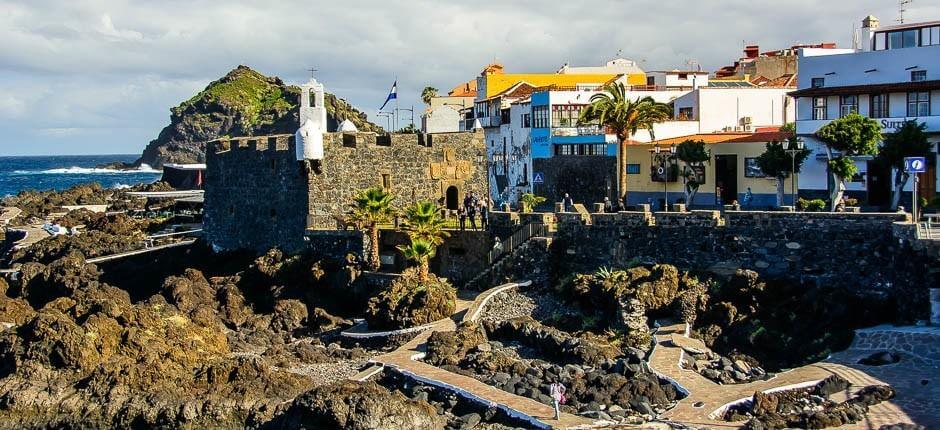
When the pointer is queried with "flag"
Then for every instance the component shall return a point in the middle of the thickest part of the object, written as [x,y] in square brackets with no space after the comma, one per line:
[392,94]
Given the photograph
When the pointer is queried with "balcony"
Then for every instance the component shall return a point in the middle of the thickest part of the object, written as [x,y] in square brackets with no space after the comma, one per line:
[584,130]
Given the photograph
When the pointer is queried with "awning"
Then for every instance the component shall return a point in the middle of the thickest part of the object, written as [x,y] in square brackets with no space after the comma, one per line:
[868,89]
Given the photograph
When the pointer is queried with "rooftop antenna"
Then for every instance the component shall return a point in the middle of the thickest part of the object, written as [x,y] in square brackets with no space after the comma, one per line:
[902,7]
[693,64]
[856,43]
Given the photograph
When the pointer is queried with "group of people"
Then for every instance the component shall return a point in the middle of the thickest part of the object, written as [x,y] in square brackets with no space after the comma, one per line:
[472,208]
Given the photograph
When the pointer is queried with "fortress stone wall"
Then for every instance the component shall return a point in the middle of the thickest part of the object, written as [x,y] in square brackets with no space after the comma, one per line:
[258,196]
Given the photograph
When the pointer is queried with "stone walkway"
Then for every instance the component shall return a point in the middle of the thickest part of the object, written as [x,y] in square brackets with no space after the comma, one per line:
[404,359]
[711,397]
[7,214]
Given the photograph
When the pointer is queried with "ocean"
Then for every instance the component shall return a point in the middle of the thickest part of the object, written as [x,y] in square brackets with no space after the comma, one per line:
[63,171]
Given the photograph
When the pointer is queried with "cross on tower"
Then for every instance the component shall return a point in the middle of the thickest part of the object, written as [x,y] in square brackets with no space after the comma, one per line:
[311,70]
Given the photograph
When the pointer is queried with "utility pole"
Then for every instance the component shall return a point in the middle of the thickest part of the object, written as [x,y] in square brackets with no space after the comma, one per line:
[902,7]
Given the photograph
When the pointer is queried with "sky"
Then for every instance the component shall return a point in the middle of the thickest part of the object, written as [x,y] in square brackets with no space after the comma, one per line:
[99,76]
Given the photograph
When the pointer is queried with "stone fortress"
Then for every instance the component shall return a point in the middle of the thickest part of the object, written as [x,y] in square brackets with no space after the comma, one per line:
[288,191]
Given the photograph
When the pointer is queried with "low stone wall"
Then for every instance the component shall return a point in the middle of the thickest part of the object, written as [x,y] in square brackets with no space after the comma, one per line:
[921,343]
[337,244]
[858,251]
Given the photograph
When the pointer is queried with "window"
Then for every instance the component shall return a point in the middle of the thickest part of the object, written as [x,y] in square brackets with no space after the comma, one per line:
[526,120]
[848,105]
[683,76]
[918,75]
[752,169]
[581,149]
[540,116]
[903,39]
[633,169]
[386,181]
[685,113]
[880,44]
[879,106]
[818,82]
[918,103]
[566,115]
[819,108]
[930,36]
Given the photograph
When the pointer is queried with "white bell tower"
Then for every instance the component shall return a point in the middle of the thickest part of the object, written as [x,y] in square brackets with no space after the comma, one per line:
[309,136]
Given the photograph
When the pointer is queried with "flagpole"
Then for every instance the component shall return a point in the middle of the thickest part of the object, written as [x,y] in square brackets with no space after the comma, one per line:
[396,103]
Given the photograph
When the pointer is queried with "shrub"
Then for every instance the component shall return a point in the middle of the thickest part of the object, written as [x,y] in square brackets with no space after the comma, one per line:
[408,302]
[814,205]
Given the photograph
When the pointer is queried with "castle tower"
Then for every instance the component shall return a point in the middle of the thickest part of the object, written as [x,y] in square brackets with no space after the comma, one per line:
[309,136]
[869,25]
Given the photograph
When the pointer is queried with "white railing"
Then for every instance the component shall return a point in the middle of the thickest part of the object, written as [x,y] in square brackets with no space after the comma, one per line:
[929,230]
[520,236]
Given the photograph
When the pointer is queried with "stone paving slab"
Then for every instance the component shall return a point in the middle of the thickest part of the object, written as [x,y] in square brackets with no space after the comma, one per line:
[666,357]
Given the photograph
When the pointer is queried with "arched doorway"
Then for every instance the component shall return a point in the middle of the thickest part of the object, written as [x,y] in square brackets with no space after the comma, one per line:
[451,198]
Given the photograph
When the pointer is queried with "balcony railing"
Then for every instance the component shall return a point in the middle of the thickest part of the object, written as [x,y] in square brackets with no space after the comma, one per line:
[584,130]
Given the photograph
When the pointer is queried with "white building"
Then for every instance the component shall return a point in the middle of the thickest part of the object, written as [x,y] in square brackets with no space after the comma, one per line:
[893,77]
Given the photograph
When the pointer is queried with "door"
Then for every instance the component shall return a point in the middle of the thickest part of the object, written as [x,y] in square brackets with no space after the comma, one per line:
[878,183]
[726,179]
[451,198]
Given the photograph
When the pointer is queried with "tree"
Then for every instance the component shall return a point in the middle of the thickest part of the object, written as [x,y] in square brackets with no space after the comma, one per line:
[372,207]
[421,252]
[850,136]
[692,154]
[909,140]
[427,94]
[613,110]
[529,201]
[423,221]
[777,162]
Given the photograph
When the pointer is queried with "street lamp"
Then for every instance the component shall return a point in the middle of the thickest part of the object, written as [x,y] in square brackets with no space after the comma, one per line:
[664,161]
[798,145]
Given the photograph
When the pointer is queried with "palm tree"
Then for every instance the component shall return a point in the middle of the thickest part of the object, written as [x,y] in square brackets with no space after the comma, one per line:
[530,201]
[613,110]
[372,207]
[423,221]
[421,252]
[427,94]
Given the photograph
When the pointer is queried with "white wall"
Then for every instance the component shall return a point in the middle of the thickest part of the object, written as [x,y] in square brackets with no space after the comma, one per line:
[517,152]
[725,107]
[442,119]
[843,67]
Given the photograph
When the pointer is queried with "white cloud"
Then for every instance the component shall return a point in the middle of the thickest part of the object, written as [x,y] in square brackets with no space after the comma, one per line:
[121,64]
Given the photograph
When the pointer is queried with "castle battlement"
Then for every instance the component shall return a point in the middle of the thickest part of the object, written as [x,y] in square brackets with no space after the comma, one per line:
[343,141]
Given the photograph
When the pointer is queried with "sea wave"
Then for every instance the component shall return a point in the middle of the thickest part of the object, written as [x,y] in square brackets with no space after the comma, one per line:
[75,170]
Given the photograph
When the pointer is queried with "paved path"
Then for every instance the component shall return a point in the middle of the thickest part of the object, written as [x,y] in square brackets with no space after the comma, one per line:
[404,359]
[111,257]
[713,396]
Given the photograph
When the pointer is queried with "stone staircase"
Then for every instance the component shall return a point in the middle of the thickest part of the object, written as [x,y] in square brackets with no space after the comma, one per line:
[513,244]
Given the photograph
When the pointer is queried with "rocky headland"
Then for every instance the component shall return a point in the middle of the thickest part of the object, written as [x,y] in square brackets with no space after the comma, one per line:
[242,103]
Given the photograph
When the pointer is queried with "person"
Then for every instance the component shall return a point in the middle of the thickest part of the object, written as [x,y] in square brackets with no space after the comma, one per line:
[557,392]
[472,214]
[608,207]
[568,203]
[498,246]
[748,196]
[484,214]
[462,216]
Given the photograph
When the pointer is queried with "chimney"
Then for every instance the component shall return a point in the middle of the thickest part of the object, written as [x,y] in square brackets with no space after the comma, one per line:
[751,51]
[869,25]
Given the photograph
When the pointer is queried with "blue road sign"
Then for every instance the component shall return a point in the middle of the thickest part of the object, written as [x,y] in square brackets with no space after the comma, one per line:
[915,164]
[538,178]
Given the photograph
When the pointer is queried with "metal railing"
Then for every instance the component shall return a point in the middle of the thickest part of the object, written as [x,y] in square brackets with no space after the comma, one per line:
[584,130]
[520,236]
[928,230]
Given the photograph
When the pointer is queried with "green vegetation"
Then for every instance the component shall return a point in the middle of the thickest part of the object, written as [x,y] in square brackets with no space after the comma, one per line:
[530,201]
[371,207]
[427,94]
[850,136]
[778,163]
[615,111]
[693,155]
[910,140]
[258,99]
[815,205]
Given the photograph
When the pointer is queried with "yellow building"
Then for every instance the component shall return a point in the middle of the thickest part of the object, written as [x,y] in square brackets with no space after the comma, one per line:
[729,174]
[493,81]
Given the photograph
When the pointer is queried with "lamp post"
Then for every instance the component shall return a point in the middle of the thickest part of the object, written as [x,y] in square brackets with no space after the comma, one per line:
[388,120]
[797,148]
[664,160]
